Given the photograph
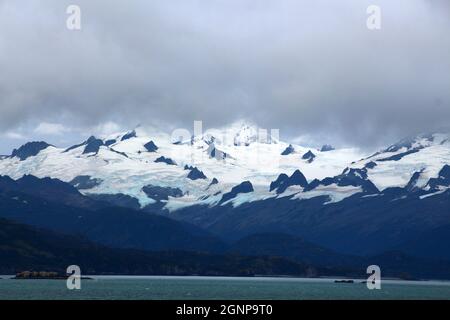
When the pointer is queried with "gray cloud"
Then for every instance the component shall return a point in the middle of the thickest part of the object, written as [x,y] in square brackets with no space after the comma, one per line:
[306,67]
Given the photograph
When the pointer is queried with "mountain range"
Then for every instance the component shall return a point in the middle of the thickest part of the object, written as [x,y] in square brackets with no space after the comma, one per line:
[241,191]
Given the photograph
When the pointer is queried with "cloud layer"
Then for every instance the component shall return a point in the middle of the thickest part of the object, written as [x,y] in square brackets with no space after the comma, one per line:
[305,67]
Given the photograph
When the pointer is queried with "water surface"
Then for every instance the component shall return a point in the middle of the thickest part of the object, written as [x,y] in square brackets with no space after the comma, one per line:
[191,288]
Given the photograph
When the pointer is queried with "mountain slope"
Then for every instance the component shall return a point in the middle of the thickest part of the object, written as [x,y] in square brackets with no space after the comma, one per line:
[122,163]
[395,165]
[367,206]
[296,248]
[114,226]
[432,244]
[359,224]
[392,263]
[49,189]
[340,226]
[25,248]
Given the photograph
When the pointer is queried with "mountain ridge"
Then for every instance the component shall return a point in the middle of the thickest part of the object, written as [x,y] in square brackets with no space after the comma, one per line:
[129,229]
[365,206]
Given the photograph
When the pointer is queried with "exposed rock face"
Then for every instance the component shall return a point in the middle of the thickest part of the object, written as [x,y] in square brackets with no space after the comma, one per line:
[129,135]
[283,182]
[92,145]
[399,156]
[214,181]
[281,179]
[110,142]
[29,149]
[443,180]
[288,150]
[326,147]
[117,199]
[196,174]
[244,187]
[370,165]
[309,156]
[123,154]
[159,193]
[349,177]
[85,182]
[150,146]
[166,160]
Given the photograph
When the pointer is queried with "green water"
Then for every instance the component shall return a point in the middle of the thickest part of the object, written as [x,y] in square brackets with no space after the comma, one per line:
[191,288]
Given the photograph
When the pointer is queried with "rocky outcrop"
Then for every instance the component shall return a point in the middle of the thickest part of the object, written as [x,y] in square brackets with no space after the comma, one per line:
[290,149]
[85,182]
[29,149]
[166,161]
[159,193]
[196,174]
[309,156]
[283,182]
[244,187]
[150,146]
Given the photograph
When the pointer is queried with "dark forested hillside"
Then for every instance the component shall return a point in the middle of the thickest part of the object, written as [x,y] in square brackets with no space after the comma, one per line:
[26,248]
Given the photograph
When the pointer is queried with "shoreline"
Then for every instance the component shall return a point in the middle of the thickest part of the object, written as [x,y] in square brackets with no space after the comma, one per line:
[328,279]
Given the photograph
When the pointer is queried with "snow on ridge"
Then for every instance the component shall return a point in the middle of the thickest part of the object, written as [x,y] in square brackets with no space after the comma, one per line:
[431,153]
[333,191]
[125,166]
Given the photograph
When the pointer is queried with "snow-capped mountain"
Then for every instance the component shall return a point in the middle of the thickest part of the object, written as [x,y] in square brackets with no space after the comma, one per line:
[210,168]
[385,201]
[339,198]
[423,156]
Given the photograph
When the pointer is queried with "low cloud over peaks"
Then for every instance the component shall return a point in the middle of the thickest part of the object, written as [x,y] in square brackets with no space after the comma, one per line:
[305,67]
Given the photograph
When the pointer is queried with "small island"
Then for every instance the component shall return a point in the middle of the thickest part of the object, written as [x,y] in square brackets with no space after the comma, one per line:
[344,281]
[48,275]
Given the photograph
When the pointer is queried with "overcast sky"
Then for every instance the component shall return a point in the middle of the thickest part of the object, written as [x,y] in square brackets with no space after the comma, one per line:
[309,68]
